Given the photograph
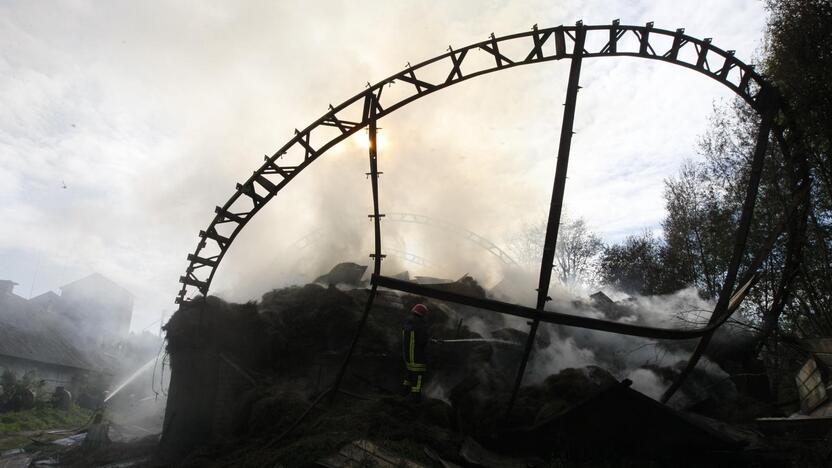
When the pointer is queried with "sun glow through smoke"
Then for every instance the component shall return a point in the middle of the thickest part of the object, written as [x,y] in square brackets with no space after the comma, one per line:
[362,140]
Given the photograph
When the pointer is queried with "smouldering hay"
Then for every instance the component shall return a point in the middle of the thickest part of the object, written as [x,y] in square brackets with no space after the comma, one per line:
[292,344]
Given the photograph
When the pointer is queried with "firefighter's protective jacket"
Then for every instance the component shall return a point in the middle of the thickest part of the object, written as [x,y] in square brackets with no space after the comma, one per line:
[414,343]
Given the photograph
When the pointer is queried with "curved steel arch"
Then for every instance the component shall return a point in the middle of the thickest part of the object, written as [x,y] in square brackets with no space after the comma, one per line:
[543,45]
[546,45]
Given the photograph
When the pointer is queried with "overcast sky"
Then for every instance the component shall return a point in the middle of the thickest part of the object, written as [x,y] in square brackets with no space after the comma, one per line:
[123,124]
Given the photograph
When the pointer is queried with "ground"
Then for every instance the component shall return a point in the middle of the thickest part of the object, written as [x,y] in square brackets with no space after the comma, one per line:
[18,428]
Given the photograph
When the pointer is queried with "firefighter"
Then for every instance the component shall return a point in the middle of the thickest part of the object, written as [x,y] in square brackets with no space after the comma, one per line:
[414,343]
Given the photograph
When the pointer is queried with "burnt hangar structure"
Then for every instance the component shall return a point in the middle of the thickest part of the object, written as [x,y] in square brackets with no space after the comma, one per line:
[573,43]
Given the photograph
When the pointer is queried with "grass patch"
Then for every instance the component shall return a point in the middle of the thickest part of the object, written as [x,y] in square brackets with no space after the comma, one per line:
[42,418]
[13,442]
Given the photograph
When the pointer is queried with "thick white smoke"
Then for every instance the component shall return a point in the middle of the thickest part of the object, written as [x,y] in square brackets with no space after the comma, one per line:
[634,358]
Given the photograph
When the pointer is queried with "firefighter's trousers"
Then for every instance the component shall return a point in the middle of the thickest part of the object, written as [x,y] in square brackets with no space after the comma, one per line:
[414,378]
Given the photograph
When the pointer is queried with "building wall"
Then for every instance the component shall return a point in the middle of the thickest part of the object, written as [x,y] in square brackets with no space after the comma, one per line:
[52,375]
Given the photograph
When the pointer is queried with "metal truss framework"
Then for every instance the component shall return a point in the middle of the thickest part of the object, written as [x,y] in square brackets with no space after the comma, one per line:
[466,234]
[412,218]
[314,237]
[576,43]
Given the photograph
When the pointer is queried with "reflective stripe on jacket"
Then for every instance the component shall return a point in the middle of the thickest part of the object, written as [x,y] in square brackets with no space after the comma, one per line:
[414,342]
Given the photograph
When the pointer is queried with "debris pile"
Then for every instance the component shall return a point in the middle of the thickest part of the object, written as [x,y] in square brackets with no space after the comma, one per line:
[252,386]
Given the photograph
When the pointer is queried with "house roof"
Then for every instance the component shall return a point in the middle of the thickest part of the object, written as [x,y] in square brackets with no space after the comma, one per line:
[44,299]
[95,280]
[25,334]
[601,297]
[7,286]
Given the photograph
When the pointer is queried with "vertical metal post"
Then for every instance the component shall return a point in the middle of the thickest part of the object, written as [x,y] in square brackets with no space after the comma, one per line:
[799,178]
[556,206]
[377,256]
[740,238]
[373,174]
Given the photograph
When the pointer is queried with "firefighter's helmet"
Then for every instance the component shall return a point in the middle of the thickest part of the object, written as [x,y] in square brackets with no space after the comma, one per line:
[420,310]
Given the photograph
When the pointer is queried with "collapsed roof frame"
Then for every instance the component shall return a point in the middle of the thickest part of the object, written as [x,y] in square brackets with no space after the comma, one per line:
[546,45]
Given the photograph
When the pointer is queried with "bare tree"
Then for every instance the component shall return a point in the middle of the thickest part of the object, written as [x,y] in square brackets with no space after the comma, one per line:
[526,244]
[577,255]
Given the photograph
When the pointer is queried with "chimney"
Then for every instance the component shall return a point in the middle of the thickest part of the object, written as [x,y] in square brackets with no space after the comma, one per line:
[7,287]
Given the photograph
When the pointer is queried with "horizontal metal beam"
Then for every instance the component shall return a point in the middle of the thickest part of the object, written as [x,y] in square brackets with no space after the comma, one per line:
[561,318]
